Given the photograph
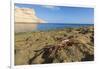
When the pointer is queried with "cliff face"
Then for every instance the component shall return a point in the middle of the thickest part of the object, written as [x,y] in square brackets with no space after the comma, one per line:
[25,19]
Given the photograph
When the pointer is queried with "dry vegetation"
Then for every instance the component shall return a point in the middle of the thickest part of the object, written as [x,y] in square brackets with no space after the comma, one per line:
[55,46]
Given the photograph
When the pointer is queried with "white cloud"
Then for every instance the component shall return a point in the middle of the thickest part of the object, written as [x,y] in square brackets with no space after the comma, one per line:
[51,7]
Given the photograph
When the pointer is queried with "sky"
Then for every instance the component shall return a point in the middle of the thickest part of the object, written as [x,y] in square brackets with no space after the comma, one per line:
[62,14]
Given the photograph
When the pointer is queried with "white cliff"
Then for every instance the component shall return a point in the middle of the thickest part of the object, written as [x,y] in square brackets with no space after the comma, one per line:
[26,19]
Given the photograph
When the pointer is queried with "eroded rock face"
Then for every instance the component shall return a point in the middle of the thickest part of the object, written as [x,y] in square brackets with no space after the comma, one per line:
[26,20]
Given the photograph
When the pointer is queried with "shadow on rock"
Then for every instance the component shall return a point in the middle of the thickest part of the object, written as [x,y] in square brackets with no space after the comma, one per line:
[88,58]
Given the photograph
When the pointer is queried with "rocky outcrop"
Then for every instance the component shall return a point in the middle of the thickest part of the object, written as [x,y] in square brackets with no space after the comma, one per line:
[54,46]
[26,20]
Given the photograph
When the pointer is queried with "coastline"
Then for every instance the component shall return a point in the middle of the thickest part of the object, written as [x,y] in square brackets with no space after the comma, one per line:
[26,43]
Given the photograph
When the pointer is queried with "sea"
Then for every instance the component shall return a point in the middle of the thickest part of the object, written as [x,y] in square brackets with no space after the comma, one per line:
[52,26]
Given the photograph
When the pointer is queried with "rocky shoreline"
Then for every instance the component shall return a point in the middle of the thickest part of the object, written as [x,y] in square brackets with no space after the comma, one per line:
[55,46]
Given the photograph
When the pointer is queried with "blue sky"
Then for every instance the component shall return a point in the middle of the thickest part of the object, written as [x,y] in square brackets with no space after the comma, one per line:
[62,14]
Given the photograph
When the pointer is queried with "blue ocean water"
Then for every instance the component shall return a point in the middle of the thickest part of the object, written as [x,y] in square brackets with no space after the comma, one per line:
[52,26]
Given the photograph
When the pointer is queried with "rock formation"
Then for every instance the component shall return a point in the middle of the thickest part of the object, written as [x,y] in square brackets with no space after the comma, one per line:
[26,20]
[54,46]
